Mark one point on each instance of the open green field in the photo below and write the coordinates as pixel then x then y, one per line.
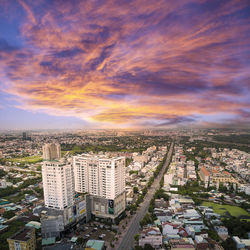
pixel 222 209
pixel 27 160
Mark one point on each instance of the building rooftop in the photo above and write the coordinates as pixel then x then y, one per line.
pixel 205 172
pixel 35 224
pixel 95 244
pixel 48 241
pixel 23 235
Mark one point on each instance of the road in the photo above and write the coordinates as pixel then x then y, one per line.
pixel 127 237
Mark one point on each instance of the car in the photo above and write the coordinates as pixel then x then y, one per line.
pixel 101 236
pixel 85 237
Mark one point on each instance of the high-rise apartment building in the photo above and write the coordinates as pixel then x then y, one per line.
pixel 58 184
pixel 24 135
pixel 99 176
pixel 104 179
pixel 51 151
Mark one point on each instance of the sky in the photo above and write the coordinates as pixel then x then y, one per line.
pixel 124 64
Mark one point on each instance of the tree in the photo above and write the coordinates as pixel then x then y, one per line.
pixel 136 190
pixel 146 220
pixel 80 241
pixel 138 248
pixel 8 214
pixel 136 237
pixel 237 227
pixel 148 247
pixel 2 173
pixel 229 244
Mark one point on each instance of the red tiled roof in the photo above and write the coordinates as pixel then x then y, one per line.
pixel 225 172
pixel 215 171
pixel 205 172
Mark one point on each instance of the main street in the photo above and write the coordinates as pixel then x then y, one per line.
pixel 127 236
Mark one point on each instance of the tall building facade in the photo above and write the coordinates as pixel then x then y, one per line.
pixel 24 135
pixel 51 151
pixel 58 184
pixel 104 179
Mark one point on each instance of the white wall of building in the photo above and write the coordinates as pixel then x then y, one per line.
pixel 98 176
pixel 58 184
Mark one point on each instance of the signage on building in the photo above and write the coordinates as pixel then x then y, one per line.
pixel 111 206
pixel 82 207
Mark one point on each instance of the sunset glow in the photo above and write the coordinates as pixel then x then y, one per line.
pixel 124 63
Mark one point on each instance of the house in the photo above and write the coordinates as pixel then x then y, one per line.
pixel 241 243
pixel 163 216
pixel 151 236
pixel 221 231
pixel 180 244
pixel 190 231
pixel 191 213
pixel 196 224
pixel 169 228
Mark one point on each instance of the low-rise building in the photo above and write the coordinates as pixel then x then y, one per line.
pixel 23 239
pixel 95 245
pixel 151 236
pixel 241 243
pixel 221 231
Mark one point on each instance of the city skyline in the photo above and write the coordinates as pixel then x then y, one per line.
pixel 125 64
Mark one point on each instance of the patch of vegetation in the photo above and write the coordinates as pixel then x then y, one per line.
pixel 13 228
pixel 11 190
pixel 8 214
pixel 128 161
pixel 243 138
pixel 147 219
pixel 2 173
pixel 218 145
pixel 26 160
pixel 229 244
pixel 237 227
pixel 222 209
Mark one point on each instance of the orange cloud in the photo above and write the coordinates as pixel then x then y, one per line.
pixel 131 62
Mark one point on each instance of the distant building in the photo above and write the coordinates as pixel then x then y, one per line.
pixel 58 184
pixel 213 176
pixel 23 239
pixel 24 135
pixel 205 175
pixel 104 179
pixel 3 184
pixel 51 151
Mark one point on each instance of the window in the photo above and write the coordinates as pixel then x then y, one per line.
pixel 17 245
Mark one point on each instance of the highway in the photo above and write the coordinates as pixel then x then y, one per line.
pixel 127 236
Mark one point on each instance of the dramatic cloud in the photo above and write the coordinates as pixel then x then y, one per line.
pixel 133 63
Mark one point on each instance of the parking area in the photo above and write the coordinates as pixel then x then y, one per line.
pixel 93 231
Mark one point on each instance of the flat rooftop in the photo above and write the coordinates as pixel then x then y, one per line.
pixel 95 244
pixel 23 235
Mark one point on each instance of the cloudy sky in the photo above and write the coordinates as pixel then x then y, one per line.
pixel 119 64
